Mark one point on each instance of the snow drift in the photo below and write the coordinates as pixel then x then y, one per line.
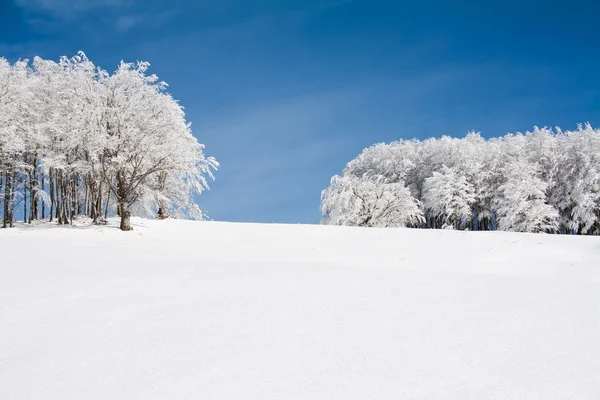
pixel 202 310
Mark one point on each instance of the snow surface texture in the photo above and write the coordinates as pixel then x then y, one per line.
pixel 201 310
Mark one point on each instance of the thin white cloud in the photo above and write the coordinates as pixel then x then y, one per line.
pixel 126 22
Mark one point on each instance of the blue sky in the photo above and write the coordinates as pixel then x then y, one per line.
pixel 284 93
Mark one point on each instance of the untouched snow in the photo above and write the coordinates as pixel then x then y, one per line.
pixel 199 310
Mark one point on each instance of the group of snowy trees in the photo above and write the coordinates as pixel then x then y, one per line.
pixel 76 140
pixel 540 181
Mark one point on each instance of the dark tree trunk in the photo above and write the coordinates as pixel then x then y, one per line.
pixel 107 203
pixel 162 179
pixel 25 199
pixel 123 193
pixel 34 190
pixel 31 197
pixel 161 213
pixel 7 190
pixel 93 206
pixel 58 181
pixel 99 200
pixel 66 200
pixel 64 197
pixel 58 202
pixel 73 198
pixel 125 217
pixel 43 202
pixel 52 193
pixel 13 194
pixel 87 202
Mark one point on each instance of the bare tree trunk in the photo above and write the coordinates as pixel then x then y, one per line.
pixel 13 194
pixel 59 194
pixel 59 198
pixel 52 198
pixel 73 198
pixel 125 217
pixel 77 197
pixel 123 192
pixel 31 196
pixel 162 179
pixel 86 209
pixel 25 198
pixel 34 190
pixel 93 202
pixel 99 200
pixel 107 203
pixel 161 211
pixel 64 197
pixel 7 193
pixel 43 202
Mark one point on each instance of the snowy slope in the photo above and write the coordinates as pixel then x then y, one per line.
pixel 198 310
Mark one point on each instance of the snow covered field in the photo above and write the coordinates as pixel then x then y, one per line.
pixel 198 310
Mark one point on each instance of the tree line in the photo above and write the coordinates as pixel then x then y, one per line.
pixel 541 181
pixel 76 140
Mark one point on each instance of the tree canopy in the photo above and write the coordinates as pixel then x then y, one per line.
pixel 81 141
pixel 541 181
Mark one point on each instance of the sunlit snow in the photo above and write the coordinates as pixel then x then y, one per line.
pixel 209 310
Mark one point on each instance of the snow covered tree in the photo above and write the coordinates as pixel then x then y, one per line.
pixel 12 147
pixel 515 182
pixel 449 197
pixel 146 134
pixel 357 202
pixel 521 203
pixel 578 184
pixel 100 142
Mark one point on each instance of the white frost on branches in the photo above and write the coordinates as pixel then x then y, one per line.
pixel 521 202
pixel 100 140
pixel 449 197
pixel 365 202
pixel 540 181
